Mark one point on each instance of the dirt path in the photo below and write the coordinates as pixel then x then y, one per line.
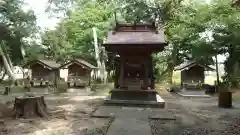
pixel 199 116
pixel 71 115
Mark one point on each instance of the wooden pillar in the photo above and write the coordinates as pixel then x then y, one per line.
pixel 152 73
pixel 56 76
pixel 145 82
pixel 116 75
pixel 121 77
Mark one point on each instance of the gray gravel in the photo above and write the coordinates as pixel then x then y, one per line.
pixel 99 130
pixel 163 127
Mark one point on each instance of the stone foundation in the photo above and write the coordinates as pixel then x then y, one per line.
pixel 143 98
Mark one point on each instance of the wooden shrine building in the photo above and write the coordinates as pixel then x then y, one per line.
pixel 79 72
pixel 192 74
pixel 133 46
pixel 43 71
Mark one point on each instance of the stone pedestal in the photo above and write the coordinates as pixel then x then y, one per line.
pixel 143 98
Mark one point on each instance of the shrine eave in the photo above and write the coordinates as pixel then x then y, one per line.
pixel 142 43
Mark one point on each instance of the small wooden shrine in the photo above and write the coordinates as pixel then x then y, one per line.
pixel 133 45
pixel 192 74
pixel 43 71
pixel 79 72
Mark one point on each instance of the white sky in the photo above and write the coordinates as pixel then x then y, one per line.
pixel 39 8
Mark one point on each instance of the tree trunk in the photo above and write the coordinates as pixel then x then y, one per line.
pixel 30 106
pixel 9 61
pixel 7 57
pixel 105 74
pixel 7 66
pixel 97 52
pixel 170 69
pixel 3 76
pixel 218 81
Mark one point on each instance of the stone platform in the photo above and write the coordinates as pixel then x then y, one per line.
pixel 132 120
pixel 139 98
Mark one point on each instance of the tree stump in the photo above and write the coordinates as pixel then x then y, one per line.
pixel 30 106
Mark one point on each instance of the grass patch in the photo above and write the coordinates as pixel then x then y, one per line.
pixel 236 96
pixel 18 89
pixel 176 78
pixel 102 88
pixel 161 88
pixel 15 89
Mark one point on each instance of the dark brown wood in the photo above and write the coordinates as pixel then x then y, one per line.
pixel 134 43
pixel 79 72
pixel 145 85
pixel 191 76
pixel 42 71
pixel 225 99
pixel 117 73
pixel 121 76
pixel 30 106
pixel 7 90
pixel 151 72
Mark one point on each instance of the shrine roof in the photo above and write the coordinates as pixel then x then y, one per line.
pixel 135 34
pixel 190 64
pixel 80 62
pixel 48 63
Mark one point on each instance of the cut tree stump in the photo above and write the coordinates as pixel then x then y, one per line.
pixel 30 106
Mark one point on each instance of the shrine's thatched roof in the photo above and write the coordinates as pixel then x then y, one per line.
pixel 135 34
pixel 48 63
pixel 190 64
pixel 80 62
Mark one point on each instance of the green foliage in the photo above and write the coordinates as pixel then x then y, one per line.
pixel 16 25
pixel 194 30
pixel 73 36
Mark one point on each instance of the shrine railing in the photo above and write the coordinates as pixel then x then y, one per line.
pixel 79 79
pixel 41 78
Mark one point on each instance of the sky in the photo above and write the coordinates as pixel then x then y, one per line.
pixel 38 6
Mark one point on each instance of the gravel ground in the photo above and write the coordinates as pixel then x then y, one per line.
pixel 230 129
pixel 196 116
pixel 57 126
pixel 167 127
pixel 163 127
pixel 70 115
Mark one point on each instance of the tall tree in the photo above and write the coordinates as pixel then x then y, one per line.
pixel 16 25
